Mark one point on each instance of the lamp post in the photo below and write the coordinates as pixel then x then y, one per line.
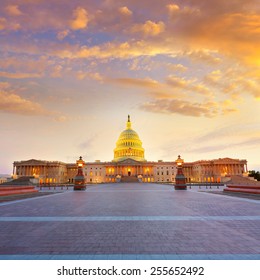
pixel 79 180
pixel 180 180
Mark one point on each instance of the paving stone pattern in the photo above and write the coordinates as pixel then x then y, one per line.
pixel 130 221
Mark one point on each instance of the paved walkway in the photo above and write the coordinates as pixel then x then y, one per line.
pixel 130 221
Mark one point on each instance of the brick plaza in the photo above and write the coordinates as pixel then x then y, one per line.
pixel 130 221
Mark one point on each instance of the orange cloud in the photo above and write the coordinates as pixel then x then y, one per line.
pixel 173 8
pixel 94 76
pixel 4 85
pixel 149 28
pixel 80 20
pixel 56 73
pixel 171 104
pixel 13 10
pixel 123 50
pixel 13 103
pixel 249 86
pixel 213 78
pixel 203 55
pixel 62 34
pixel 234 34
pixel 19 75
pixel 177 67
pixel 147 82
pixel 125 11
pixel 176 106
pixel 2 23
pixel 190 85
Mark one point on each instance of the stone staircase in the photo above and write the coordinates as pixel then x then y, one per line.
pixel 239 184
pixel 240 180
pixel 22 185
pixel 21 181
pixel 129 179
pixel 13 190
pixel 243 189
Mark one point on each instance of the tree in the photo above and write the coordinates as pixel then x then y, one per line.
pixel 255 174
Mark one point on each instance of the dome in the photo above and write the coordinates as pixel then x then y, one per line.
pixel 129 145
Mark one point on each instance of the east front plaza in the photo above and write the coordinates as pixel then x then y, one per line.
pixel 130 221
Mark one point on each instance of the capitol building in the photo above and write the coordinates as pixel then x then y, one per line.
pixel 129 165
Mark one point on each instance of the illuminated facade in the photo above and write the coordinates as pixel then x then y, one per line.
pixel 129 165
pixel 129 145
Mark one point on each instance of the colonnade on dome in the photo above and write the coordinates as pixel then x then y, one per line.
pixel 124 153
pixel 128 145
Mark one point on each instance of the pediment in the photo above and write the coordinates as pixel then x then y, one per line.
pixel 227 160
pixel 33 162
pixel 129 161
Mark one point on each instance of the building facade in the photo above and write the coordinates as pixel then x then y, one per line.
pixel 129 165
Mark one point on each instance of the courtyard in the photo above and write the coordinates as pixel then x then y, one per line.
pixel 130 221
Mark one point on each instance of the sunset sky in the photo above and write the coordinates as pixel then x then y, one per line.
pixel 188 73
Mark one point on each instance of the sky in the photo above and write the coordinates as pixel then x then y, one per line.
pixel 187 71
